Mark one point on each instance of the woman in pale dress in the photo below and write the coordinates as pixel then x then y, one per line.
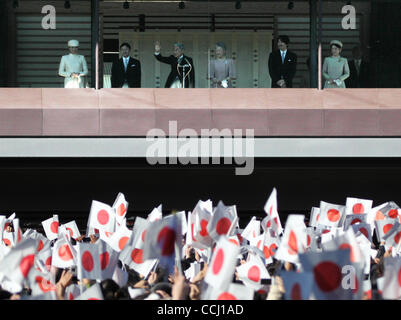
pixel 221 70
pixel 73 67
pixel 335 68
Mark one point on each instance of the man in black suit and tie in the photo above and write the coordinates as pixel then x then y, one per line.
pixel 359 70
pixel 182 66
pixel 126 71
pixel 282 64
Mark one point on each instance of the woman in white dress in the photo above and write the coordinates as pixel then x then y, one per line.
pixel 335 68
pixel 221 70
pixel 73 67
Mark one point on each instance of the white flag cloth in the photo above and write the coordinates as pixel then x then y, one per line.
pixel 162 239
pixel 73 291
pixel 294 239
pixel 357 206
pixel 120 206
pixel 192 271
pixel 392 278
pixel 200 218
pixel 101 216
pixel 50 226
pixel 221 269
pixel 120 276
pixel 222 222
pixel 119 239
pixel 108 260
pixel 252 272
pixel 92 293
pixel 314 216
pixel 156 214
pixel 351 220
pixel 184 224
pixel 383 227
pixel 72 229
pixel 235 291
pixel 88 261
pixel 271 209
pixel 331 215
pixel 18 263
pixel 327 270
pixel 297 285
pixel 64 255
pixel 252 230
pixel 17 231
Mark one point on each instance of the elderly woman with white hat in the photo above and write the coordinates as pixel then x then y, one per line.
pixel 73 67
pixel 335 68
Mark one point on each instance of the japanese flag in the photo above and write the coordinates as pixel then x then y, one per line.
pixel 18 263
pixel 331 215
pixel 298 286
pixel 314 216
pixel 235 291
pixel 88 261
pixel 120 276
pixel 252 272
pixel 388 210
pixel 120 206
pixel 2 226
pixel 43 242
pixel 102 216
pixel 92 293
pixel 64 255
pixel 383 227
pixel 192 271
pixel 200 220
pixel 162 239
pixel 221 268
pixel 263 244
pixel 271 209
pixel 357 206
pixel 108 260
pixel 184 224
pixel 392 278
pixel 72 229
pixel 40 283
pixel 294 239
pixel 222 222
pixel 73 291
pixel 327 268
pixel 43 259
pixel 156 214
pixel 50 226
pixel 252 230
pixel 8 239
pixel 364 229
pixel 351 219
pixel 393 236
pixel 119 239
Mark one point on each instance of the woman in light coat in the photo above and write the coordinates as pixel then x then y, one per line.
pixel 335 68
pixel 73 67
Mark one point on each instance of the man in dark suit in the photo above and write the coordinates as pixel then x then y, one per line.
pixel 181 66
pixel 359 71
pixel 126 71
pixel 282 64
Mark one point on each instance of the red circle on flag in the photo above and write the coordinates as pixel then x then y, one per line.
pixel 380 215
pixel 364 232
pixel 93 299
pixel 65 253
pixel 54 227
pixel 358 208
pixel 48 262
pixel 393 213
pixel 268 224
pixel 296 292
pixel 121 209
pixel 108 234
pixel 327 275
pixel 122 242
pixel 40 246
pixel 356 221
pixel 387 228
pixel 266 252
pixel 7 242
pixel 6 225
pixel 19 235
pixel 308 240
pixel 103 217
pixel 326 231
pixel 71 297
pixel 333 215
pixel 348 246
pixel 70 230
pixel 254 273
pixel 26 264
pixel 273 249
pixel 203 231
pixel 192 232
pixel 271 210
pixel 317 217
pixel 397 237
pixel 87 261
pixel 223 225
pixel 137 256
pixel 226 296
pixel 292 243
pixel 218 261
pixel 166 238
pixel 399 277
pixel 234 242
pixel 44 284
pixel 144 235
pixel 104 260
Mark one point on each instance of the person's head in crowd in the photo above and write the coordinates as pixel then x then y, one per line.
pixel 123 293
pixel 178 49
pixel 162 286
pixel 73 46
pixel 357 52
pixel 125 49
pixel 283 42
pixel 220 50
pixel 336 48
pixel 109 289
pixel 133 276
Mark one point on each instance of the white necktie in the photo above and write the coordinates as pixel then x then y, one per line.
pixel 125 63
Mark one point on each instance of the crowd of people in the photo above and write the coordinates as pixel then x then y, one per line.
pixel 265 256
pixel 282 64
